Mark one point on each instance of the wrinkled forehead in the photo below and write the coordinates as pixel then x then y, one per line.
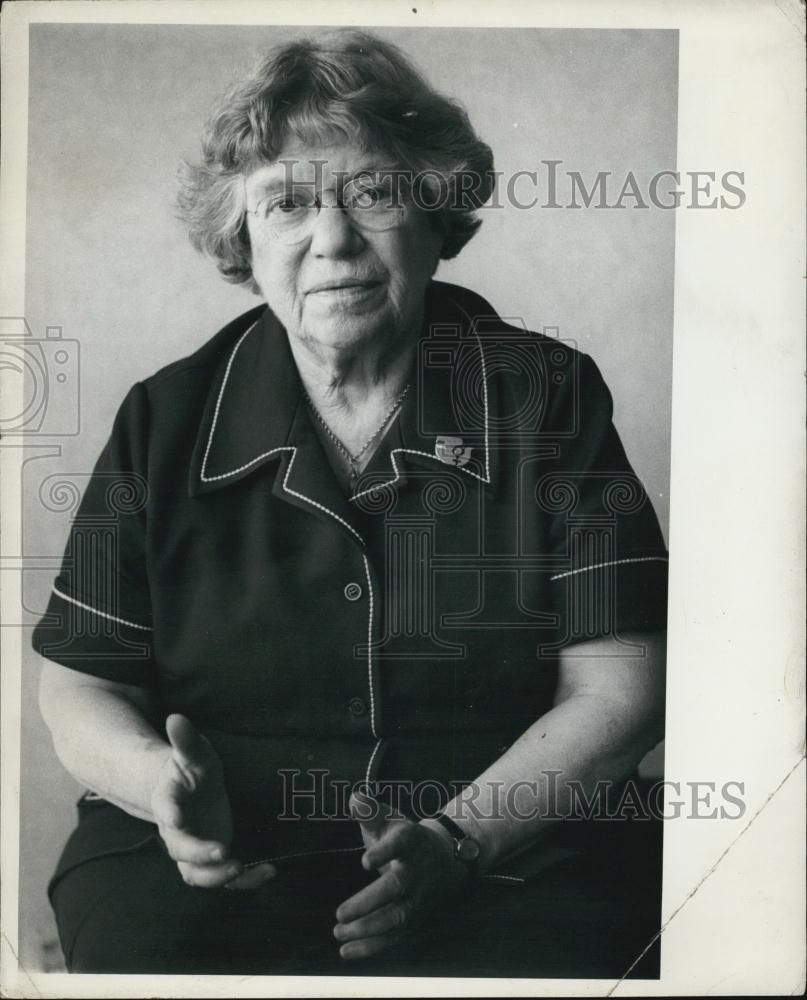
pixel 323 167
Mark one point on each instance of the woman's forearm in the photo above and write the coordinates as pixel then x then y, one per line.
pixel 524 793
pixel 599 731
pixel 103 737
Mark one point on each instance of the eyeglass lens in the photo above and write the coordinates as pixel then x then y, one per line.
pixel 373 201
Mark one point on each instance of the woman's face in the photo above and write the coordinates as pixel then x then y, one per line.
pixel 342 287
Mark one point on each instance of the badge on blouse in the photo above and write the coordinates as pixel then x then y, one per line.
pixel 451 451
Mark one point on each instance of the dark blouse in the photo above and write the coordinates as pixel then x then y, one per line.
pixel 408 633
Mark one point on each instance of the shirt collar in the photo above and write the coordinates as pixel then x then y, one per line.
pixel 249 409
pixel 253 416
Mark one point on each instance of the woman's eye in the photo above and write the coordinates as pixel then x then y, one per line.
pixel 368 196
pixel 283 206
pixel 289 205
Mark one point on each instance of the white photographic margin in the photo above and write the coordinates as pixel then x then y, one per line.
pixel 734 896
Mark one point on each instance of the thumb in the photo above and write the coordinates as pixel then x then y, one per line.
pixel 371 815
pixel 189 746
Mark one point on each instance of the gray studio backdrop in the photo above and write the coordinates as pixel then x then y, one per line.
pixel 112 109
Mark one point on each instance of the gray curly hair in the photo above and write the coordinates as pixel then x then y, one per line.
pixel 350 86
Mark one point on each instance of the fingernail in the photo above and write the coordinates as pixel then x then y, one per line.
pixel 231 876
pixel 217 854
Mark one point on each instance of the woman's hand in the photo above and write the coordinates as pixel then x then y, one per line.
pixel 417 869
pixel 192 811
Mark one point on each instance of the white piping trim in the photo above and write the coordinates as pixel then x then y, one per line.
pixel 348 850
pixel 314 503
pixel 485 399
pixel 370 668
pixel 101 614
pixel 613 562
pixel 370 652
pixel 396 451
pixel 370 762
pixel 412 451
pixel 233 472
pixel 303 854
pixel 225 475
pixel 426 454
pixel 287 488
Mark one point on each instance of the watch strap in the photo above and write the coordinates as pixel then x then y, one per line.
pixel 447 823
pixel 460 837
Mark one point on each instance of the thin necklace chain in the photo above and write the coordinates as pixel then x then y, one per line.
pixel 355 459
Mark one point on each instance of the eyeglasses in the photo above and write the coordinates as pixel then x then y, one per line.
pixel 373 201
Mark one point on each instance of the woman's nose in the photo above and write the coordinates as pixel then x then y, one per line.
pixel 334 234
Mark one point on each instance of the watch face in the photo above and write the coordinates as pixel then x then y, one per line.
pixel 467 849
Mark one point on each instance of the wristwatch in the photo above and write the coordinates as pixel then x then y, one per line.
pixel 466 849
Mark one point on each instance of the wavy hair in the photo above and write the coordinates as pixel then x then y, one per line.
pixel 349 86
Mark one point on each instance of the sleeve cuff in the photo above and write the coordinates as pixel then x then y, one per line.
pixel 85 637
pixel 611 598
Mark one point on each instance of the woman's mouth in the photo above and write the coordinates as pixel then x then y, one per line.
pixel 346 286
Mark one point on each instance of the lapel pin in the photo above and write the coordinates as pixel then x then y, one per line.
pixel 452 451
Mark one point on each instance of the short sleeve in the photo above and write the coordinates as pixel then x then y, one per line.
pixel 98 619
pixel 609 559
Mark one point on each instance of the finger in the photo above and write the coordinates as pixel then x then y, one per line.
pixel 366 808
pixel 165 804
pixel 210 876
pixel 397 841
pixel 387 888
pixel 191 749
pixel 372 816
pixel 184 847
pixel 367 947
pixel 252 878
pixel 389 918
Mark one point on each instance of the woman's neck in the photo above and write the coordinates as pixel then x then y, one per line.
pixel 351 384
pixel 353 394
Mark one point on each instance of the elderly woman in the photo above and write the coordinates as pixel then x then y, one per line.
pixel 363 604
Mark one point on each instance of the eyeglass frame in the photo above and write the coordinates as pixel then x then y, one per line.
pixel 342 184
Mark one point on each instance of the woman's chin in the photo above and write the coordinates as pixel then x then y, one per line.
pixel 343 308
pixel 347 329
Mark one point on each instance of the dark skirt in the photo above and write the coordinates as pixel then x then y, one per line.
pixel 591 908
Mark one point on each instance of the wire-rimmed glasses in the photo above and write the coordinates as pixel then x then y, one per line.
pixel 373 200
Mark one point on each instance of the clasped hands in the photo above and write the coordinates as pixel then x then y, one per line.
pixel 417 871
pixel 415 861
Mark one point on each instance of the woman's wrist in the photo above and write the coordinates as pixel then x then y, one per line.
pixel 470 843
pixel 136 795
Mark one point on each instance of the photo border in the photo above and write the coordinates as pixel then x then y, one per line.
pixel 737 493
